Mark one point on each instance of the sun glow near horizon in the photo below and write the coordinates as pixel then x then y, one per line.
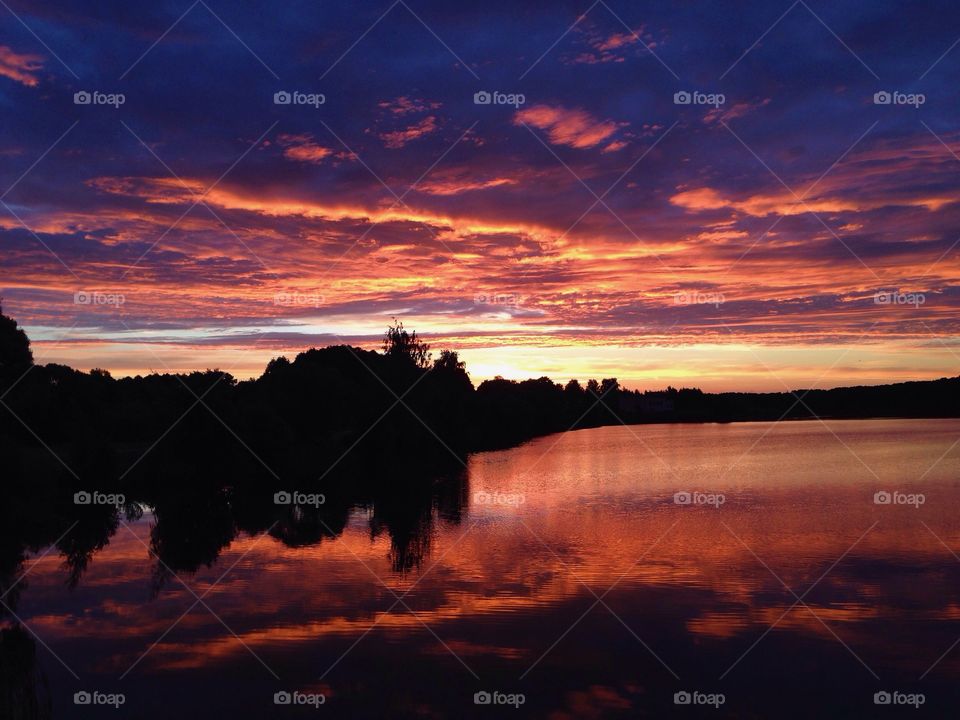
pixel 711 367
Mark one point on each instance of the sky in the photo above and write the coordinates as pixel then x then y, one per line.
pixel 750 196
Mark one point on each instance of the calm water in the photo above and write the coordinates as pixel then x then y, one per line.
pixel 563 570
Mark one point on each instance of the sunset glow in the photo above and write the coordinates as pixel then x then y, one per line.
pixel 602 228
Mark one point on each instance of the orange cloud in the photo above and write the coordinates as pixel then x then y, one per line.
pixel 614 48
pixel 618 40
pixel 454 186
pixel 399 138
pixel 576 128
pixel 158 190
pixel 302 148
pixel 700 199
pixel 786 203
pixel 20 67
pixel 404 105
pixel 614 146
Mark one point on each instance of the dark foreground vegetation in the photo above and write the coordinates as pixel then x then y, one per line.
pixel 334 414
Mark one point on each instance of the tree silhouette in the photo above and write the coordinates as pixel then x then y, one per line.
pixel 449 360
pixel 15 355
pixel 399 344
pixel 24 692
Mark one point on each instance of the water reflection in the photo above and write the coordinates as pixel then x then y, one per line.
pixel 496 565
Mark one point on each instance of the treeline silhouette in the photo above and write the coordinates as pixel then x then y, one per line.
pixel 340 413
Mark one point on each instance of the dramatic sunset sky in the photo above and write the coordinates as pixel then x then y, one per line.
pixel 598 229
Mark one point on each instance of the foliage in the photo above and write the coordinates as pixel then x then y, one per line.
pixel 398 343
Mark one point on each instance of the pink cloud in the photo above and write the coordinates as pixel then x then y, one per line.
pixel 456 186
pixel 576 128
pixel 404 105
pixel 399 138
pixel 303 148
pixel 611 48
pixel 618 40
pixel 781 202
pixel 20 67
pixel 700 199
pixel 614 146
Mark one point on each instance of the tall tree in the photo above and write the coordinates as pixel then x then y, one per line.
pixel 15 355
pixel 398 343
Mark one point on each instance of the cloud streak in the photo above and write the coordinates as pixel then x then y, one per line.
pixel 23 68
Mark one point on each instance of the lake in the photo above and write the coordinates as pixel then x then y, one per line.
pixel 799 569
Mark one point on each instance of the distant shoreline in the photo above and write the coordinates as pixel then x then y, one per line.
pixel 720 422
